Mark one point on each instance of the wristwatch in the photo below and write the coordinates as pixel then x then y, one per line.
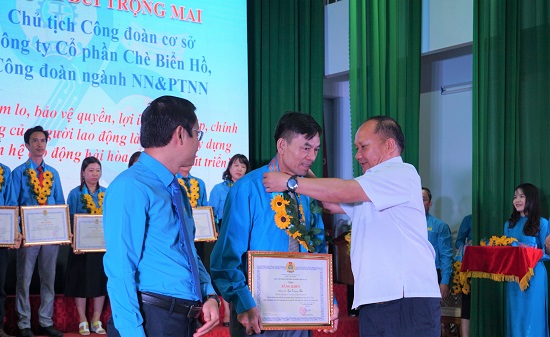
pixel 214 296
pixel 292 183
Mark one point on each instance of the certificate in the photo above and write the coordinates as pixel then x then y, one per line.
pixel 9 221
pixel 88 233
pixel 293 291
pixel 205 228
pixel 45 225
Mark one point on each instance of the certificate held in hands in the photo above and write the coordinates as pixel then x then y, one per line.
pixel 293 291
pixel 9 223
pixel 45 225
pixel 88 234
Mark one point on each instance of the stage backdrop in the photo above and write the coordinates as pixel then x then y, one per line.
pixel 86 69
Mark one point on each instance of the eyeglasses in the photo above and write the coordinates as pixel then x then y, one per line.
pixel 199 134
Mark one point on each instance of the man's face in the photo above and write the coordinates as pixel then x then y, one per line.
pixel 372 148
pixel 37 144
pixel 426 200
pixel 297 156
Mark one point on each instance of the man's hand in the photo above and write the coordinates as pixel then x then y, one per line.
pixel 444 290
pixel 334 319
pixel 18 239
pixel 251 320
pixel 211 317
pixel 275 181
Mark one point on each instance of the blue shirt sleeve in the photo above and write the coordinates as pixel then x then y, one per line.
pixel 7 194
pixel 203 199
pixel 464 232
pixel 446 254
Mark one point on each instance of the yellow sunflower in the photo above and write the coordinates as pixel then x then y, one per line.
pixel 282 220
pixel 48 175
pixel 41 199
pixel 35 181
pixel 47 183
pixel 195 189
pixel 31 173
pixel 45 191
pixel 278 203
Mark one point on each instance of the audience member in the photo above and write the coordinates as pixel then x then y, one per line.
pixel 527 311
pixel 133 158
pixel 463 239
pixel 7 198
pixel 85 275
pixel 238 166
pixel 36 183
pixel 439 235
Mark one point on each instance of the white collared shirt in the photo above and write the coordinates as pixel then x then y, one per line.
pixel 391 256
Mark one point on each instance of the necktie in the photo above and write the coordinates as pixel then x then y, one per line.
pixel 185 241
pixel 40 174
pixel 293 244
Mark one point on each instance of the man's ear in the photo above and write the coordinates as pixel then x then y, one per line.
pixel 281 145
pixel 390 144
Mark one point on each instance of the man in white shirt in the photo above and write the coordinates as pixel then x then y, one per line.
pixel 392 260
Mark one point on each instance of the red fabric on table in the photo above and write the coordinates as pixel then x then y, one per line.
pixel 505 263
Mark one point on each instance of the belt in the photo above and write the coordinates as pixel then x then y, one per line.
pixel 186 307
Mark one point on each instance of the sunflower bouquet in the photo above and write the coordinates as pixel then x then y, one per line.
pixel 1 177
pixel 192 191
pixel 461 283
pixel 40 191
pixel 90 205
pixel 498 241
pixel 290 217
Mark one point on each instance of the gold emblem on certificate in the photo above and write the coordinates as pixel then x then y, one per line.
pixel 293 291
pixel 45 225
pixel 9 222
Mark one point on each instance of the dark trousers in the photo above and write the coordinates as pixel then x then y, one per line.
pixel 405 317
pixel 160 322
pixel 3 270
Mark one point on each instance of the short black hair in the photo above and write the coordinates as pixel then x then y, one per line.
pixel 29 132
pixel 133 158
pixel 161 118
pixel 296 123
pixel 428 191
pixel 390 128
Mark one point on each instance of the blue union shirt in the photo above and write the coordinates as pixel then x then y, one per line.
pixel 142 239
pixel 22 189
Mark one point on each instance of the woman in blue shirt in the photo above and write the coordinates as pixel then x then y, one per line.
pixel 527 311
pixel 238 166
pixel 85 275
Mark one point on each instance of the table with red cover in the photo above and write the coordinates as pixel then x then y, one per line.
pixel 501 263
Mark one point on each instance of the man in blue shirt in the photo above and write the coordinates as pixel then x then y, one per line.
pixel 439 236
pixel 45 190
pixel 249 223
pixel 7 198
pixel 156 281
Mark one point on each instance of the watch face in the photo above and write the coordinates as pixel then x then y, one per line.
pixel 292 184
